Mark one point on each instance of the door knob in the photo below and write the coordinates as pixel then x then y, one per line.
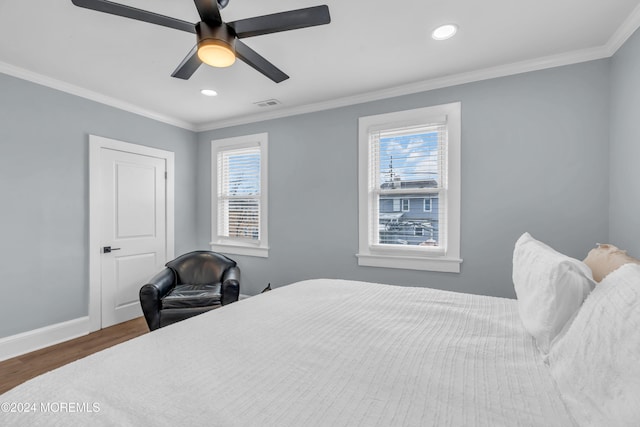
pixel 108 249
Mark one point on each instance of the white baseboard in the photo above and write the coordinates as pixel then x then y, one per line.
pixel 25 342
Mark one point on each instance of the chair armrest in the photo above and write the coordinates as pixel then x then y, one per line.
pixel 152 293
pixel 230 285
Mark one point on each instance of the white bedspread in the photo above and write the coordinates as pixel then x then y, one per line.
pixel 315 353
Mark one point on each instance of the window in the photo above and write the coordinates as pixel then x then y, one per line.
pixel 239 195
pixel 412 156
pixel 428 204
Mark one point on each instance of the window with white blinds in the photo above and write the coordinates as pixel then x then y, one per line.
pixel 239 195
pixel 409 189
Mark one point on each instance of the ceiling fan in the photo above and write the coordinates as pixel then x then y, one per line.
pixel 218 42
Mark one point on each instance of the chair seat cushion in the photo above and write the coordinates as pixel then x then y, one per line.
pixel 187 296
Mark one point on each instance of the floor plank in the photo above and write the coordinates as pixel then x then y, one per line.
pixel 19 369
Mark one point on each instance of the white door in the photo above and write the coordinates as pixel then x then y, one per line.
pixel 132 225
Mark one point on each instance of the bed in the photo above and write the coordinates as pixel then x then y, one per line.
pixel 318 353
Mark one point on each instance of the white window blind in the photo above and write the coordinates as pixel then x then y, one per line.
pixel 408 164
pixel 239 193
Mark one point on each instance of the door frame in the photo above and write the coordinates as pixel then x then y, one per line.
pixel 96 144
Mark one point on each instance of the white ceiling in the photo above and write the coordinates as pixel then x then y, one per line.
pixel 371 49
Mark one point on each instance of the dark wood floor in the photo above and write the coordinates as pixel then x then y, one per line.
pixel 22 368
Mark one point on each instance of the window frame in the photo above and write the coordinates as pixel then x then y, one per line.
pixel 443 259
pixel 408 209
pixel 231 245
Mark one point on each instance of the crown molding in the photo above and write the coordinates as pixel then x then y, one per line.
pixel 422 86
pixel 626 30
pixel 50 82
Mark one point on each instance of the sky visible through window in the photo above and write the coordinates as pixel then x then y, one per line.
pixel 409 157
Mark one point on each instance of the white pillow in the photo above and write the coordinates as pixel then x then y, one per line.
pixel 550 288
pixel 596 363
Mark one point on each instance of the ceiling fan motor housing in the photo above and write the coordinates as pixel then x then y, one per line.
pixel 221 33
pixel 220 37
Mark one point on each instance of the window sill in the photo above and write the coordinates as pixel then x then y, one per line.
pixel 442 264
pixel 227 248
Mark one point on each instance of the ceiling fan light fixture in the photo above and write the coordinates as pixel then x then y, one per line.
pixel 216 53
pixel 216 45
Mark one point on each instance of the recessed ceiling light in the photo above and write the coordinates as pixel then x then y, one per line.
pixel 208 92
pixel 444 32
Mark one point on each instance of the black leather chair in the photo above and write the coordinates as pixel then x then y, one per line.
pixel 191 284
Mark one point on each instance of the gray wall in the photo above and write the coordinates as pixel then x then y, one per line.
pixel 44 194
pixel 625 147
pixel 534 158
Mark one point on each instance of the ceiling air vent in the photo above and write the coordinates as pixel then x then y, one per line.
pixel 268 103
